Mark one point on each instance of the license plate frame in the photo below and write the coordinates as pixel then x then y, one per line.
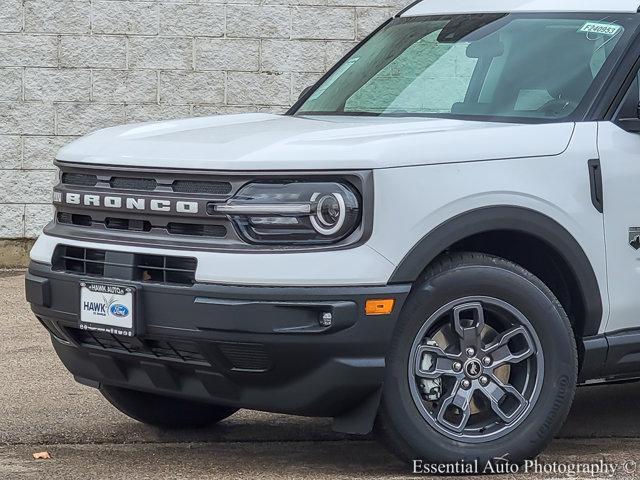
pixel 108 308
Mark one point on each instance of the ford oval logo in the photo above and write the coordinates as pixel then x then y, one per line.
pixel 119 310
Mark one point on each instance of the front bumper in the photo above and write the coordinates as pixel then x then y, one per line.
pixel 248 347
pixel 354 266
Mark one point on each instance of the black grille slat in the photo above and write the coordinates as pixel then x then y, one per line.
pixel 127 224
pixel 145 268
pixel 212 187
pixel 130 183
pixel 164 269
pixel 243 356
pixel 197 186
pixel 218 231
pixel 74 219
pixel 80 179
pixel 143 226
pixel 176 270
pixel 176 351
pixel 122 344
pixel 96 339
pixel 165 350
pixel 97 262
pixel 180 263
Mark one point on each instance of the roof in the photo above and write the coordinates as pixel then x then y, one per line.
pixel 439 7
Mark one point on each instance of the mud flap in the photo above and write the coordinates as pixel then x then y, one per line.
pixel 360 419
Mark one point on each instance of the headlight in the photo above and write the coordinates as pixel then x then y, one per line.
pixel 293 213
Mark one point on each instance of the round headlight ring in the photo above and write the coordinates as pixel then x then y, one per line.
pixel 321 224
pixel 327 206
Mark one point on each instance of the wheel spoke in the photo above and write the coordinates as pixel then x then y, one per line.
pixel 442 362
pixel 501 352
pixel 459 399
pixel 506 401
pixel 476 368
pixel 468 320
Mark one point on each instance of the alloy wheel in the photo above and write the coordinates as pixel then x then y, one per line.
pixel 475 369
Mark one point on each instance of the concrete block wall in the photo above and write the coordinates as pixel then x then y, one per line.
pixel 68 67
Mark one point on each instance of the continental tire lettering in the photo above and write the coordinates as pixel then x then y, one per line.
pixel 558 404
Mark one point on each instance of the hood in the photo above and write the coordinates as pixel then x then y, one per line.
pixel 276 142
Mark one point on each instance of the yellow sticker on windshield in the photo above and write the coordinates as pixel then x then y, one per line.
pixel 601 28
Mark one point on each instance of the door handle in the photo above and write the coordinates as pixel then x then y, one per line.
pixel 595 183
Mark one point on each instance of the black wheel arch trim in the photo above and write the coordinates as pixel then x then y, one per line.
pixel 518 219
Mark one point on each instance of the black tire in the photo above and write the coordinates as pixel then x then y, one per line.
pixel 465 275
pixel 165 412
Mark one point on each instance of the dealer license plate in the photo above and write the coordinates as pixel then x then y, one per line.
pixel 107 308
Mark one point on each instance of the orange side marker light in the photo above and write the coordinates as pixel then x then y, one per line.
pixel 379 306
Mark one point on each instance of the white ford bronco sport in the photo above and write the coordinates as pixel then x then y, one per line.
pixel 439 240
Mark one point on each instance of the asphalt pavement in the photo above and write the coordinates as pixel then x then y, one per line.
pixel 43 409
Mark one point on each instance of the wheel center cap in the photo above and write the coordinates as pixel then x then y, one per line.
pixel 473 368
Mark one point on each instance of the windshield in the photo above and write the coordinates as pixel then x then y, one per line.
pixel 502 66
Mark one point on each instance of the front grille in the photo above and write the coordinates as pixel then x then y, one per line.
pixel 187 352
pixel 247 357
pixel 163 269
pixel 74 219
pixel 80 179
pixel 125 266
pixel 79 261
pixel 147 184
pixel 146 207
pixel 127 224
pixel 136 225
pixel 217 231
pixel 127 183
pixel 211 188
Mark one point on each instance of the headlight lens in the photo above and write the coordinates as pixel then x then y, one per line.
pixel 294 213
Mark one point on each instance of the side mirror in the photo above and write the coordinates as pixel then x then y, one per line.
pixel 628 115
pixel 304 92
pixel 631 125
pixel 631 121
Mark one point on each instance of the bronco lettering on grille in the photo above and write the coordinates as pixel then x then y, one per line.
pixel 130 203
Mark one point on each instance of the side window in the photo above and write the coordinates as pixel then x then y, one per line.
pixel 427 76
pixel 628 115
pixel 631 103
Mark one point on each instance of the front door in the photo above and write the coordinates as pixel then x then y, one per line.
pixel 620 165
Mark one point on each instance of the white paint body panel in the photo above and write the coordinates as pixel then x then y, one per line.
pixel 620 163
pixel 358 266
pixel 429 196
pixel 274 142
pixel 556 186
pixel 442 7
